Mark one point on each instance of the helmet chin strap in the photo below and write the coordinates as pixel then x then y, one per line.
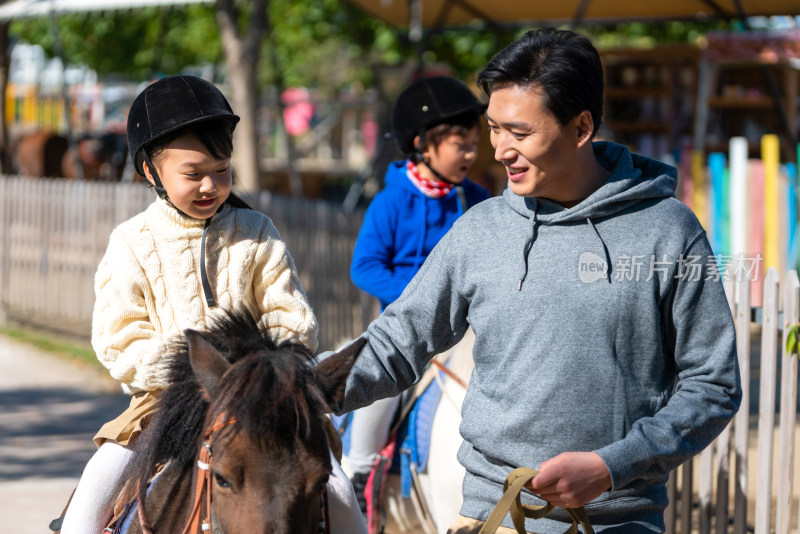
pixel 162 194
pixel 158 187
pixel 462 198
pixel 420 158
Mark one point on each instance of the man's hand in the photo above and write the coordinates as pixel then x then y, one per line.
pixel 571 479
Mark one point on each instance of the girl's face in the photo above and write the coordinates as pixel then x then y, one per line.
pixel 196 182
pixel 454 155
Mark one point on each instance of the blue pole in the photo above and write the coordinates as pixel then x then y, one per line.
pixel 716 165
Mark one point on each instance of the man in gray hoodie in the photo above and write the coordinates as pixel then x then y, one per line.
pixel 605 350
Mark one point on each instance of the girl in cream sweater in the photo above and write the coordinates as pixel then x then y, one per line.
pixel 196 250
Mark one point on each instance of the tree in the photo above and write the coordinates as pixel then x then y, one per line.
pixel 329 45
pixel 242 51
pixel 136 44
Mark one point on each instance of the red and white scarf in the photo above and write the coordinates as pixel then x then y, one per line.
pixel 430 188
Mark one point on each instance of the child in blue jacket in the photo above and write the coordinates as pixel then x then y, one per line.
pixel 435 122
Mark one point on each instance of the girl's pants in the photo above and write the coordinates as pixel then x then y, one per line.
pixel 92 504
pixel 370 431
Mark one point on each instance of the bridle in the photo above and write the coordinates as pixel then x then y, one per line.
pixel 200 522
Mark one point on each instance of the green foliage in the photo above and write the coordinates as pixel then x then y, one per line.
pixel 650 34
pixel 137 44
pixel 326 44
pixel 467 50
pixel 791 340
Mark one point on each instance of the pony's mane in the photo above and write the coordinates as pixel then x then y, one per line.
pixel 269 391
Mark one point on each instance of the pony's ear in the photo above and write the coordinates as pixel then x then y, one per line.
pixel 207 362
pixel 333 371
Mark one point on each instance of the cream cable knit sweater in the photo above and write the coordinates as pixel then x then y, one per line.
pixel 148 286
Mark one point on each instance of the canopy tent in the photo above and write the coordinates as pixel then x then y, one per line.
pixel 439 13
pixel 16 9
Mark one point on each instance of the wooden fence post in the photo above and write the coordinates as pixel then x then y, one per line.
pixel 766 402
pixel 741 428
pixel 723 442
pixel 788 407
pixel 669 513
pixel 687 474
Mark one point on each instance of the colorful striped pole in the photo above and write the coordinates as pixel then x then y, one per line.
pixel 770 155
pixel 755 252
pixel 685 185
pixel 699 192
pixel 738 208
pixel 726 211
pixel 716 167
pixel 791 216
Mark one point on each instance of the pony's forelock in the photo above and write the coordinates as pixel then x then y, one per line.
pixel 269 386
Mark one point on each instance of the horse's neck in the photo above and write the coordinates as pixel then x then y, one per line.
pixel 169 503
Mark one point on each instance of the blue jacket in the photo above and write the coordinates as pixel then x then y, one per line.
pixel 399 231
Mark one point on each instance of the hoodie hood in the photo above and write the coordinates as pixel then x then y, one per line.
pixel 633 179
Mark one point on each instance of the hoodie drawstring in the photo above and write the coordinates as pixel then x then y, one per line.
pixel 605 249
pixel 527 250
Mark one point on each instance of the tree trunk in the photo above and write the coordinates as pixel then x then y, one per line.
pixel 242 54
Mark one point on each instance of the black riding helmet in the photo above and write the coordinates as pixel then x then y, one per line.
pixel 167 105
pixel 164 107
pixel 426 103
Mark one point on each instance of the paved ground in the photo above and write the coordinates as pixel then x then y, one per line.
pixel 49 411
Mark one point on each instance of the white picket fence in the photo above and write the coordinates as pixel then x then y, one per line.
pixel 53 234
pixel 745 481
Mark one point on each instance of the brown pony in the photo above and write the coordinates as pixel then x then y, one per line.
pixel 46 154
pixel 252 416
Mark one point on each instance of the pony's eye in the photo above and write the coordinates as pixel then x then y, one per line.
pixel 221 481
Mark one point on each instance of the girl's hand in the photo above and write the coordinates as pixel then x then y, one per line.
pixel 571 479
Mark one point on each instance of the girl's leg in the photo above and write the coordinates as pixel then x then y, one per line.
pixel 93 502
pixel 370 431
pixel 369 434
pixel 343 508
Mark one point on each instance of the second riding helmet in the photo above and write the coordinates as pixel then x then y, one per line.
pixel 426 103
pixel 169 104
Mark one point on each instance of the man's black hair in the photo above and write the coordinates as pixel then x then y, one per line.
pixel 563 64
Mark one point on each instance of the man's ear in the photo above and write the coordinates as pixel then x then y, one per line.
pixel 584 127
